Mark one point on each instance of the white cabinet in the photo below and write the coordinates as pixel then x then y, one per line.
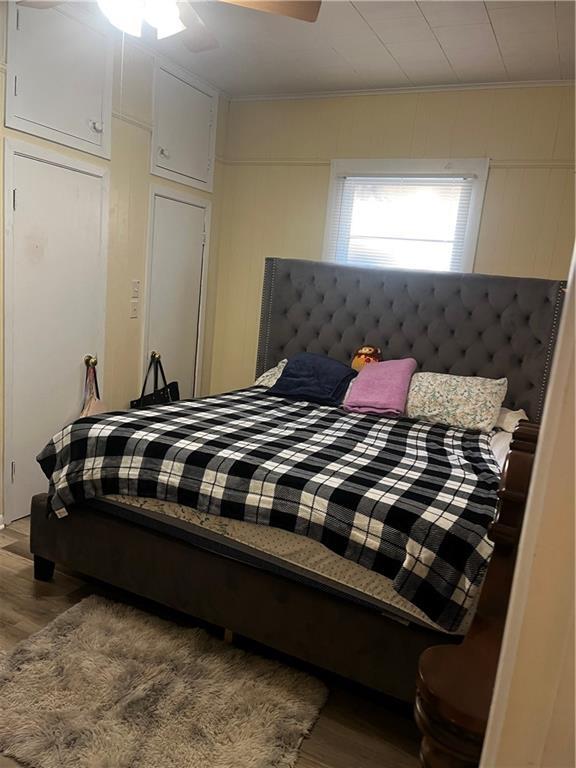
pixel 184 136
pixel 59 79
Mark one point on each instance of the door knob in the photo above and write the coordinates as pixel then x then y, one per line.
pixel 97 126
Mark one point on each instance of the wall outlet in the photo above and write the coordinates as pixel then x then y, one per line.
pixel 135 289
pixel 133 309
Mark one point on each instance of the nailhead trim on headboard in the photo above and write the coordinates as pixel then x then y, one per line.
pixel 465 324
pixel 265 316
pixel 550 350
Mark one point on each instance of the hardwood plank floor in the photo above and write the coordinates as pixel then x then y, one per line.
pixel 355 729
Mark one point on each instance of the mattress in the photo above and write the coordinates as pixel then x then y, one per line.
pixel 307 554
pixel 295 550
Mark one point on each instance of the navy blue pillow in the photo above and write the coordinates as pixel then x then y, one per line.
pixel 315 378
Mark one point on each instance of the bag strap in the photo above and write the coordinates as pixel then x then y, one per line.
pixel 160 368
pixel 156 364
pixel 145 384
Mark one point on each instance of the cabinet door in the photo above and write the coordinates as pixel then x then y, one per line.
pixel 184 128
pixel 59 78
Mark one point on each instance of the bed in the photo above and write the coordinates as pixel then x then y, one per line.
pixel 297 594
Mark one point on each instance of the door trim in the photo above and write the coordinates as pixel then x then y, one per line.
pixel 198 201
pixel 12 150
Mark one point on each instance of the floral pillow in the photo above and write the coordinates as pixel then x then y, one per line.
pixel 271 376
pixel 468 402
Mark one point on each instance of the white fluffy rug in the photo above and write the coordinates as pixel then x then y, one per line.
pixel 107 686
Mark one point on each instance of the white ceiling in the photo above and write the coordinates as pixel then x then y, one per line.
pixel 371 44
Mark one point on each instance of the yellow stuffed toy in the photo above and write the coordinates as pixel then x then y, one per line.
pixel 365 355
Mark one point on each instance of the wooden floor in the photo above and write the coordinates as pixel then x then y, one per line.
pixel 355 729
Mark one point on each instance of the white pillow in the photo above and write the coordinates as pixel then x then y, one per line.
pixel 508 420
pixel 500 445
pixel 468 402
pixel 271 376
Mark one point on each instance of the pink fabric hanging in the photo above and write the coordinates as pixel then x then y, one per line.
pixel 92 405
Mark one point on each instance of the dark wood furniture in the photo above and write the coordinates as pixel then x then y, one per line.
pixel 455 683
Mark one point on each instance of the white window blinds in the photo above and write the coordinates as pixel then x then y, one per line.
pixel 401 221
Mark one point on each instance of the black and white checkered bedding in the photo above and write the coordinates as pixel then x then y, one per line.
pixel 410 500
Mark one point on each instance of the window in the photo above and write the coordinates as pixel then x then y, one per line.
pixel 406 214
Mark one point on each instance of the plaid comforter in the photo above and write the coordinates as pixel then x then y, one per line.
pixel 410 500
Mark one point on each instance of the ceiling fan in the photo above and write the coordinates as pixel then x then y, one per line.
pixel 172 16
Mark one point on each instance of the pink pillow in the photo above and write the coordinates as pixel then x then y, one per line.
pixel 381 388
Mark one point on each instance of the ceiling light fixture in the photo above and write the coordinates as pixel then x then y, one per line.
pixel 129 15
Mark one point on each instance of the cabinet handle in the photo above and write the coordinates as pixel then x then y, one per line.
pixel 97 126
pixel 163 152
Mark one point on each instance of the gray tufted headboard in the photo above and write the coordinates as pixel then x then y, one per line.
pixel 466 324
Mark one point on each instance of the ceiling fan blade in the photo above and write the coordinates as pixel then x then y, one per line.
pixel 305 10
pixel 197 37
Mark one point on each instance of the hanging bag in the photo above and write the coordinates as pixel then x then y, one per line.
pixel 167 393
pixel 92 404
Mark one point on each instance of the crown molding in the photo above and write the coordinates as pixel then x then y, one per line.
pixel 405 89
pixel 321 162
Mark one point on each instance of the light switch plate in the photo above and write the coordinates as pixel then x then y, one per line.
pixel 134 309
pixel 135 289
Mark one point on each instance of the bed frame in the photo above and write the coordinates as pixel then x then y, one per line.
pixel 459 323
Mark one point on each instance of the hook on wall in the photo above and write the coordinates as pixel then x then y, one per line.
pixel 91 361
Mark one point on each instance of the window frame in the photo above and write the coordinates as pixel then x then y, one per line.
pixel 477 167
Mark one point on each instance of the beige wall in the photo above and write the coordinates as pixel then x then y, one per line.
pixel 276 176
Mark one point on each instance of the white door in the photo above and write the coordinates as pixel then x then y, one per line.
pixel 174 287
pixel 55 286
pixel 60 78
